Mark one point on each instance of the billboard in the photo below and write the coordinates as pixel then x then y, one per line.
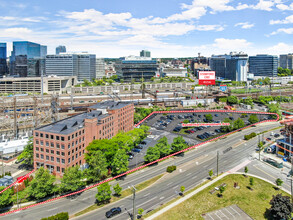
pixel 206 77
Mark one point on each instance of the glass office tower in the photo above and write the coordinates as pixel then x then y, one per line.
pixel 263 65
pixel 60 49
pixel 3 56
pixel 26 58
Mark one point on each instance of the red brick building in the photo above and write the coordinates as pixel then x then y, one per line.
pixel 62 144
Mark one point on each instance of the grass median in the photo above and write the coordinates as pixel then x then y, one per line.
pixel 253 202
pixel 125 193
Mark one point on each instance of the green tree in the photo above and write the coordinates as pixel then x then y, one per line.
pixel 140 211
pixel 178 144
pixel 211 173
pixel 152 154
pixel 114 77
pixel 121 80
pixel 237 124
pixel 222 189
pixel 86 83
pixel 182 189
pixel 120 162
pixel 97 166
pixel 281 207
pixel 253 119
pixel 209 117
pixel 251 181
pixel 274 108
pixel 279 182
pixel 5 197
pixel 42 185
pixel 117 189
pixel 185 121
pixel 227 128
pixel 153 79
pixel 246 170
pixel 28 153
pixel 104 193
pixel 232 100
pixel 72 179
pixel 163 147
pixel 110 81
pixel 267 81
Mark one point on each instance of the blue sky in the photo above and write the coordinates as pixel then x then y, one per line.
pixel 168 28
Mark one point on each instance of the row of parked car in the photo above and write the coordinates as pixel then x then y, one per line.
pixel 138 148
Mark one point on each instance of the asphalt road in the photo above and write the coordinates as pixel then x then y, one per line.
pixel 194 168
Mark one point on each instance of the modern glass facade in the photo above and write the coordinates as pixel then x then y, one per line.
pixel 263 65
pixel 25 58
pixel 136 69
pixel 233 67
pixel 3 56
pixel 81 65
pixel 60 49
pixel 145 53
pixel 286 61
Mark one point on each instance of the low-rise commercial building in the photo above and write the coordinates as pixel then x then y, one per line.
pixel 287 141
pixel 175 72
pixel 51 84
pixel 62 144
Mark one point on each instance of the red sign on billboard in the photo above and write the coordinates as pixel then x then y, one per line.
pixel 206 78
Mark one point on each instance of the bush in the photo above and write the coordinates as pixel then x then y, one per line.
pixel 170 169
pixel 249 136
pixel 59 216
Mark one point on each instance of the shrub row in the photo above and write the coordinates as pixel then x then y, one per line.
pixel 249 136
pixel 59 216
pixel 170 169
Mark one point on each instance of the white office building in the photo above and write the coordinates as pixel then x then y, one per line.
pixel 100 68
pixel 81 65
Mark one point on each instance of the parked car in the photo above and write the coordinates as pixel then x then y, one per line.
pixel 139 146
pixel 216 115
pixel 177 129
pixel 136 150
pixel 113 211
pixel 218 130
pixel 231 118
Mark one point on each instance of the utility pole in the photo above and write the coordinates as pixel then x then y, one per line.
pixel 133 204
pixel 14 115
pixel 217 163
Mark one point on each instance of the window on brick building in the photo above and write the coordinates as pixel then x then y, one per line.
pixel 41 135
pixel 68 152
pixel 79 153
pixel 47 157
pixel 79 132
pixel 83 131
pixel 47 144
pixel 58 152
pixel 37 141
pixel 52 152
pixel 72 136
pixel 76 142
pixel 47 136
pixel 63 161
pixel 76 134
pixel 42 149
pixel 68 137
pixel 52 144
pixel 58 146
pixel 62 153
pixel 47 150
pixel 72 151
pixel 62 146
pixel 58 169
pixel 52 158
pixel 42 156
pixel 68 160
pixel 79 140
pixel 72 144
pixel 58 159
pixel 72 158
pixel 68 146
pixel 37 134
pixel 37 149
pixel 62 138
pixel 52 137
pixel 57 138
pixel 37 155
pixel 63 170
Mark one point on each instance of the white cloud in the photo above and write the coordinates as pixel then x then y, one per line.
pixel 283 30
pixel 244 25
pixel 209 28
pixel 231 44
pixel 280 48
pixel 284 7
pixel 287 20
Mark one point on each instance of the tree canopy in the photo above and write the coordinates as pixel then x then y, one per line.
pixel 5 197
pixel 28 153
pixel 178 144
pixel 232 99
pixel 72 179
pixel 104 193
pixel 42 185
pixel 120 162
pixel 253 119
pixel 152 154
pixel 97 166
pixel 281 207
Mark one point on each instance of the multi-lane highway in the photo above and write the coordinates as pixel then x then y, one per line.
pixel 192 169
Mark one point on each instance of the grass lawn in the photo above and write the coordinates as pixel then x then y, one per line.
pixel 254 203
pixel 124 194
pixel 243 91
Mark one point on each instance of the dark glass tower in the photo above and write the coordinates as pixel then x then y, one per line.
pixel 3 56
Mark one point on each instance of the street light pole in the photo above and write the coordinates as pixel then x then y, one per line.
pixel 133 203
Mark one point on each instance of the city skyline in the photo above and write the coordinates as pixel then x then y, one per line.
pixel 168 28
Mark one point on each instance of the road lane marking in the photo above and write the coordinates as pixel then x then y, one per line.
pixel 51 209
pixel 162 197
pixel 147 194
pixel 188 174
pixel 147 201
pixel 193 177
pixel 169 183
pixel 175 187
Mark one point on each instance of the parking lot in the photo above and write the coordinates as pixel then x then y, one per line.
pixel 164 125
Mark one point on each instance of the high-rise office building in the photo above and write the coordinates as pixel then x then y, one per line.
pixel 263 65
pixel 233 66
pixel 100 68
pixel 136 68
pixel 26 58
pixel 60 49
pixel 145 53
pixel 3 62
pixel 81 65
pixel 286 61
